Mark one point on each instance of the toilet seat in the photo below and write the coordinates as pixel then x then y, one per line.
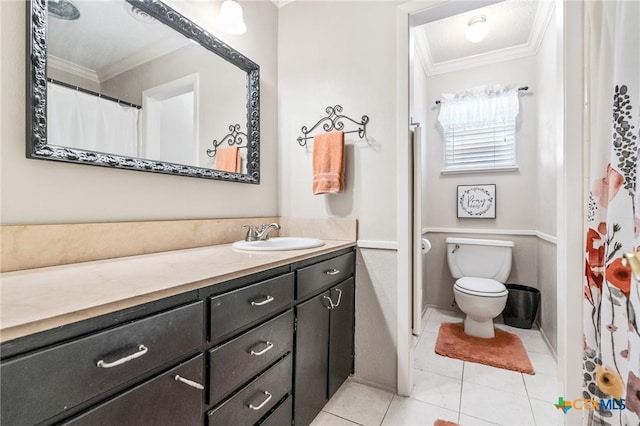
pixel 484 287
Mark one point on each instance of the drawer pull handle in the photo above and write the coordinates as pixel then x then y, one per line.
pixel 263 403
pixel 142 349
pixel 339 298
pixel 330 302
pixel 264 351
pixel 333 271
pixel 264 301
pixel 188 382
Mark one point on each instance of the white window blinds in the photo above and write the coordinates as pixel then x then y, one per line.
pixel 479 129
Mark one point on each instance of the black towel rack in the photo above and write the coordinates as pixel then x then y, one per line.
pixel 235 137
pixel 333 121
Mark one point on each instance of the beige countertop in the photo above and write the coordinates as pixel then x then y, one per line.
pixel 40 299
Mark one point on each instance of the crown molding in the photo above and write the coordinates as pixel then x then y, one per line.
pixel 539 27
pixel 280 3
pixel 71 68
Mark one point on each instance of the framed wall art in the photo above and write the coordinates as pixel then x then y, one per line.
pixel 476 201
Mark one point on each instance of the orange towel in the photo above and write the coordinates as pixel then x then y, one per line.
pixel 328 163
pixel 228 159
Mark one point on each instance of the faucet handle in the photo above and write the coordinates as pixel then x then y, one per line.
pixel 252 233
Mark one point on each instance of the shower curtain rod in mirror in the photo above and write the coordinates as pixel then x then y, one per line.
pixel 89 92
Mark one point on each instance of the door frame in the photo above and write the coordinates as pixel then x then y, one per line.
pixel 570 60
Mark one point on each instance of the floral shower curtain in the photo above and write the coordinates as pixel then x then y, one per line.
pixel 611 363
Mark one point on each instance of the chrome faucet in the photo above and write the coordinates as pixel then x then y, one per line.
pixel 255 234
pixel 263 234
pixel 252 233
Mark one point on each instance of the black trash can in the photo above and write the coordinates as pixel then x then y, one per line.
pixel 522 306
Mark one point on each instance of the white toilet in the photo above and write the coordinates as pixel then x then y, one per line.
pixel 480 267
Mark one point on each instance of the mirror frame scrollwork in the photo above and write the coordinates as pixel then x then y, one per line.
pixel 37 146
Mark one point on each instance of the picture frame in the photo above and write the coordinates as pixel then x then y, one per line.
pixel 476 201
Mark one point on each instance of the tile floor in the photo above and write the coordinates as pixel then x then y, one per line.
pixel 463 392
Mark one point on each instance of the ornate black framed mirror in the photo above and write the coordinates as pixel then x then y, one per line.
pixel 136 85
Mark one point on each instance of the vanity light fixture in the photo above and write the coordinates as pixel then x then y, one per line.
pixel 231 19
pixel 477 29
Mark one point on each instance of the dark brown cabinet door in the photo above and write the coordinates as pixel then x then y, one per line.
pixel 341 322
pixel 312 358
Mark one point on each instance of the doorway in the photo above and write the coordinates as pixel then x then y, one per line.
pixel 169 122
pixel 568 27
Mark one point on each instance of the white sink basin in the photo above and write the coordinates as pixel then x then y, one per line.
pixel 279 243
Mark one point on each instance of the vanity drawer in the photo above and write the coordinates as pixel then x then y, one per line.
pixel 37 386
pixel 323 274
pixel 236 309
pixel 161 401
pixel 281 415
pixel 257 398
pixel 235 362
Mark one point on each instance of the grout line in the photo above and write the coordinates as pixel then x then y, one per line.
pixel 533 416
pixel 387 411
pixel 343 418
pixel 461 388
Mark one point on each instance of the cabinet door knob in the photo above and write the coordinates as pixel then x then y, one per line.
pixel 188 382
pixel 263 403
pixel 142 349
pixel 264 301
pixel 333 271
pixel 264 351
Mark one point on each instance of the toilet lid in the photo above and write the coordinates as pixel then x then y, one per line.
pixel 481 286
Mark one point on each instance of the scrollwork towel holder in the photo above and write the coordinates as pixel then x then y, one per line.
pixel 334 121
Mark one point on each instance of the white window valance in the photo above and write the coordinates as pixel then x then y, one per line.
pixel 479 105
pixel 479 127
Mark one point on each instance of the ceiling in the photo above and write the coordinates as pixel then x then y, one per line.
pixel 516 28
pixel 115 38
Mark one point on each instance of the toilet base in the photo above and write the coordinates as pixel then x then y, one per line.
pixel 483 329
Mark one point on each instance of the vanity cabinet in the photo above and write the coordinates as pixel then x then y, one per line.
pixel 264 349
pixel 48 382
pixel 324 334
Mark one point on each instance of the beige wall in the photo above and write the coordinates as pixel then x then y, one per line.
pixel 516 196
pixel 339 53
pixel 36 191
pixel 335 52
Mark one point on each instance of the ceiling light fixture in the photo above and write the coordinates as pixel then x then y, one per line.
pixel 63 9
pixel 231 19
pixel 478 29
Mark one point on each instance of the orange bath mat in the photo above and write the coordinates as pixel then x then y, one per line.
pixel 441 422
pixel 505 350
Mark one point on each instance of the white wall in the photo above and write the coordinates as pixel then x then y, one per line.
pixel 37 191
pixel 546 70
pixel 330 53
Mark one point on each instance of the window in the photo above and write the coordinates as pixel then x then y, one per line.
pixel 479 130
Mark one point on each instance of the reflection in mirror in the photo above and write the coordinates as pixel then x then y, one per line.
pixel 135 85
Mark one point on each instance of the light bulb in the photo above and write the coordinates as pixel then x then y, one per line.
pixel 231 19
pixel 478 29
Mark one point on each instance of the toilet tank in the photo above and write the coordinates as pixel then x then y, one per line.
pixel 470 257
